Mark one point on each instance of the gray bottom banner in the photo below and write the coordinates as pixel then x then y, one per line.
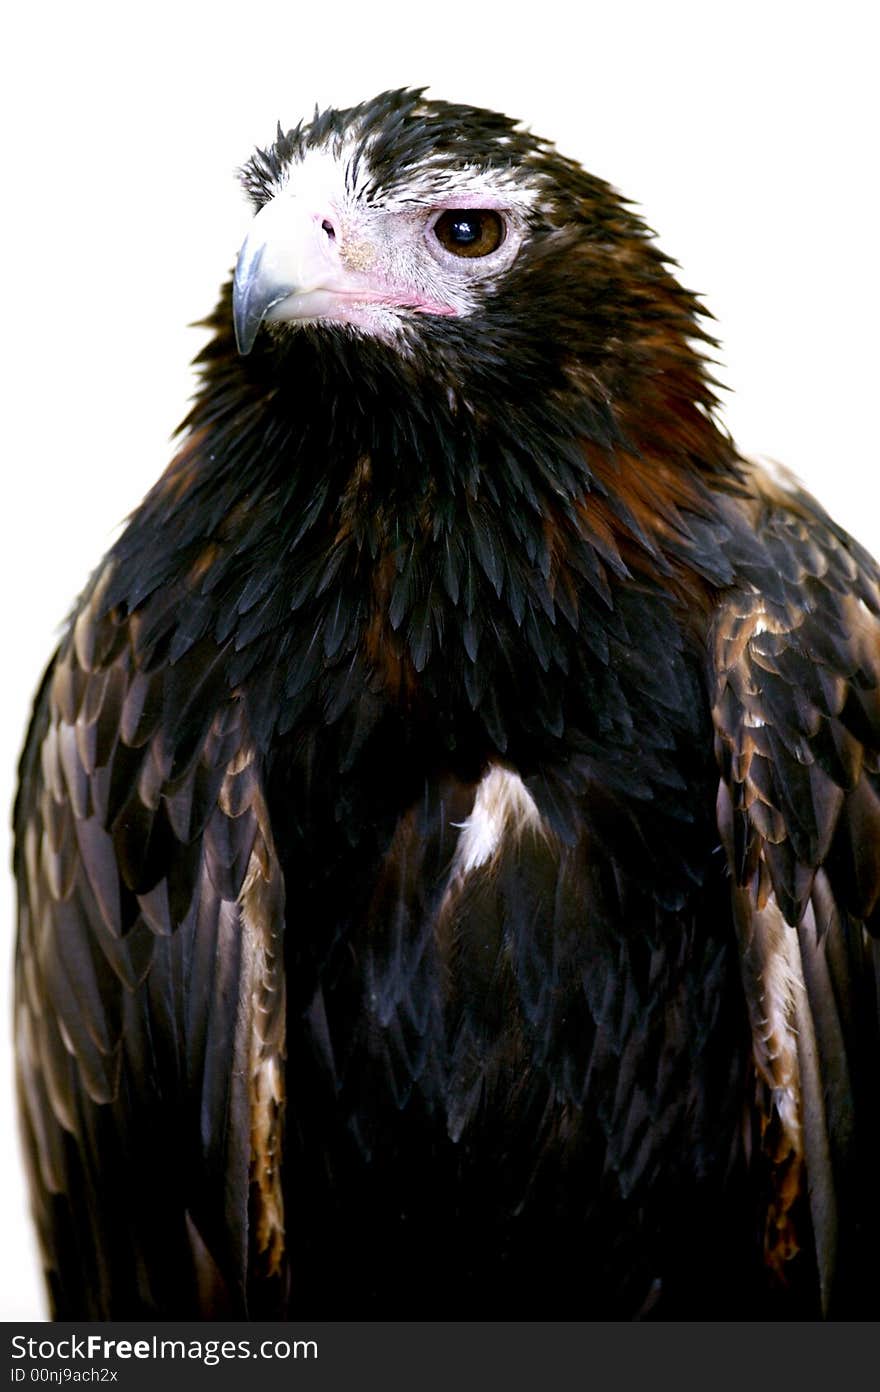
pixel 411 1356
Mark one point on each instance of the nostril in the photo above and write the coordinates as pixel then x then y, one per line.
pixel 327 226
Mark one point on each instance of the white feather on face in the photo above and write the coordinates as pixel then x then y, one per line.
pixel 329 247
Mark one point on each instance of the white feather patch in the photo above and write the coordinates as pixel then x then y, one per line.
pixel 503 808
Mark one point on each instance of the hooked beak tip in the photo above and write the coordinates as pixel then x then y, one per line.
pixel 255 292
pixel 246 313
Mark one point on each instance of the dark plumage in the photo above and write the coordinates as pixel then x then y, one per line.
pixel 448 839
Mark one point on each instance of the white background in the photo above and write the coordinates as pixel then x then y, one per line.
pixel 747 132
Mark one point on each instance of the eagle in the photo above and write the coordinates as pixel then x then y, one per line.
pixel 448 834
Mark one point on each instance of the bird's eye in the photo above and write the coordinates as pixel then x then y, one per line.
pixel 470 231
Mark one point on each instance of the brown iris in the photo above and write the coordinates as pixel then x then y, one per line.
pixel 470 231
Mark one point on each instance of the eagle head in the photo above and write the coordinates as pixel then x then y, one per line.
pixel 465 244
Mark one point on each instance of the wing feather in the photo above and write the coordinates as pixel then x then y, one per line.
pixel 797 718
pixel 150 991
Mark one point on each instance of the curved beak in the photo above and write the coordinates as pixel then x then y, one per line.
pixel 286 253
